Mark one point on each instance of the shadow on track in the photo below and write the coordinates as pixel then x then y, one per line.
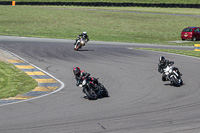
pixel 84 50
pixel 170 84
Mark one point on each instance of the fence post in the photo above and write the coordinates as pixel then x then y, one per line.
pixel 13 3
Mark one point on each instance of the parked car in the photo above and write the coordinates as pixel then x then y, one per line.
pixel 192 33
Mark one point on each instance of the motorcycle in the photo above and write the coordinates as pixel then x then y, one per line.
pixel 81 42
pixel 94 89
pixel 173 76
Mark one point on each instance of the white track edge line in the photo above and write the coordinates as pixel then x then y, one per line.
pixel 60 88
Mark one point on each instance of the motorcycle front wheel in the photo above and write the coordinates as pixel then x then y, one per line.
pixel 105 92
pixel 77 47
pixel 175 81
pixel 91 94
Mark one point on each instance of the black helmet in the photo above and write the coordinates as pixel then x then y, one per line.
pixel 162 60
pixel 76 71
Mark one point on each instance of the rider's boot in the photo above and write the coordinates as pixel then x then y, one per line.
pixel 164 78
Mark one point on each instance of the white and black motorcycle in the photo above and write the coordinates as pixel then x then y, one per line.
pixel 173 75
pixel 81 42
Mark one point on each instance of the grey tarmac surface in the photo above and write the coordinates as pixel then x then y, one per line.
pixel 139 101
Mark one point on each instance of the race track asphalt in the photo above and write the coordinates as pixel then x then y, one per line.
pixel 139 101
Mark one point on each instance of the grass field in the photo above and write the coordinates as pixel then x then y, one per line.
pixel 120 1
pixel 13 81
pixel 102 24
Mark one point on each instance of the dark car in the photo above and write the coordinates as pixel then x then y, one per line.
pixel 191 33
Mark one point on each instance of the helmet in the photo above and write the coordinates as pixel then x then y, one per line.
pixel 162 60
pixel 84 32
pixel 76 71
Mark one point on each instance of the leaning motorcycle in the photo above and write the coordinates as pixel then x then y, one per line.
pixel 173 76
pixel 94 89
pixel 81 42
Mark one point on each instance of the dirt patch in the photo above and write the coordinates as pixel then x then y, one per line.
pixel 5 56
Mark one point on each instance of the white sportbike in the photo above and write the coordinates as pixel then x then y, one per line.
pixel 173 75
pixel 81 42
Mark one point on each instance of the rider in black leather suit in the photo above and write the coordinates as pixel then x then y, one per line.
pixel 84 35
pixel 81 75
pixel 163 63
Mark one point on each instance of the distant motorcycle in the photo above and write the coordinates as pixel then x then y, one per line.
pixel 173 76
pixel 94 89
pixel 81 42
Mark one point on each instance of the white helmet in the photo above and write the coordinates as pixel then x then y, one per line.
pixel 84 32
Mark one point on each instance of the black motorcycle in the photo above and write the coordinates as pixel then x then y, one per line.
pixel 94 89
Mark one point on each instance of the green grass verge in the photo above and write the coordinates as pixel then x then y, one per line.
pixel 188 11
pixel 14 81
pixel 101 25
pixel 182 52
pixel 119 1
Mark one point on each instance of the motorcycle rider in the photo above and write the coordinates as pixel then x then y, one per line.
pixel 81 75
pixel 82 35
pixel 163 63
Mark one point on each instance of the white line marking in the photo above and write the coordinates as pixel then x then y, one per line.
pixel 61 87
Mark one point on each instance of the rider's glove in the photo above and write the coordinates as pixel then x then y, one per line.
pixel 87 75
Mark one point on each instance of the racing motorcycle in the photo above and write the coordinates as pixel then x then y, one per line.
pixel 173 76
pixel 81 42
pixel 93 88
